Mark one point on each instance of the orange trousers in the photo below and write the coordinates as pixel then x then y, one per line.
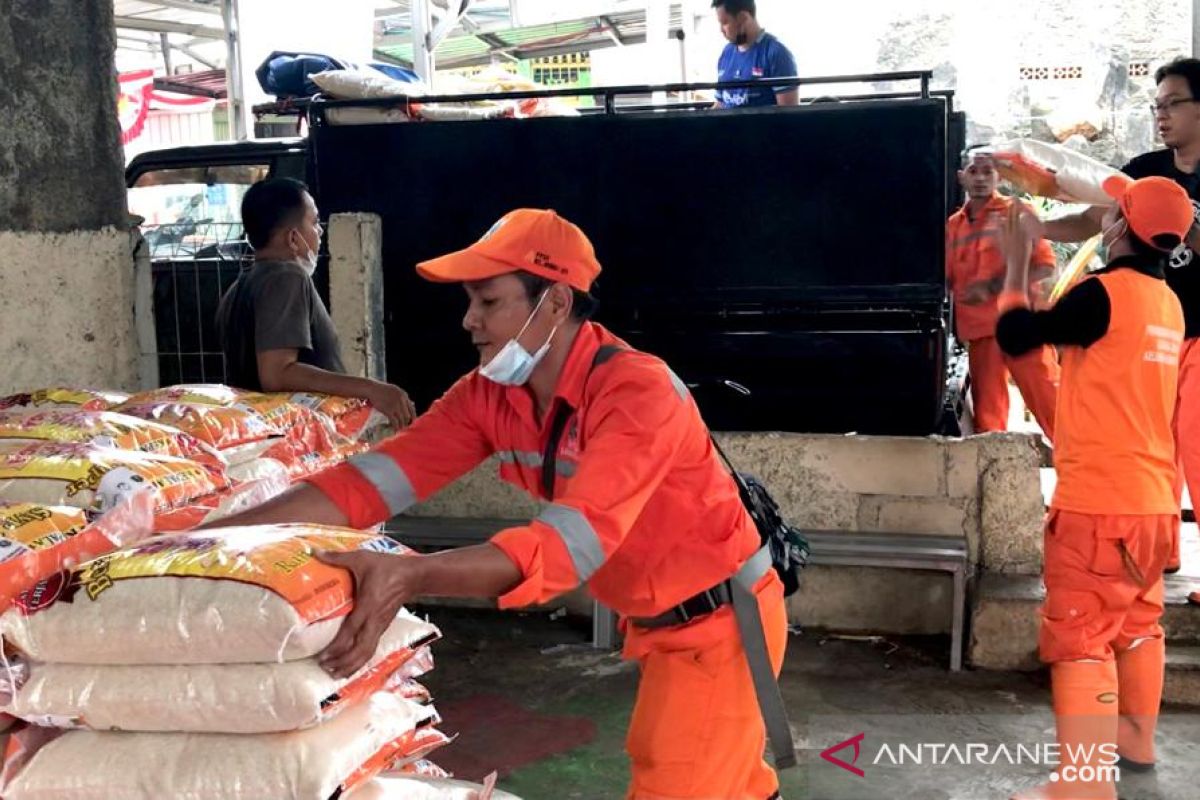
pixel 1035 373
pixel 1101 633
pixel 697 731
pixel 1104 583
pixel 1187 429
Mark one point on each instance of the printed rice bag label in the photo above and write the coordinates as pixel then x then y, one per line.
pixel 29 526
pixel 103 429
pixel 57 397
pixel 99 478
pixel 220 427
pixel 207 394
pixel 278 558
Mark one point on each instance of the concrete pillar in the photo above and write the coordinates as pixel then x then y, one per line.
pixel 356 291
pixel 66 269
pixel 1195 28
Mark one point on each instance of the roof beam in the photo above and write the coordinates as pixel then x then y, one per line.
pixel 184 5
pixel 612 30
pixel 163 26
pixel 194 56
pixel 490 39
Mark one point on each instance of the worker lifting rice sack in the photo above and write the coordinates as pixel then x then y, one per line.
pixel 63 398
pixel 97 478
pixel 214 698
pixel 233 595
pixel 318 763
pixel 104 429
pixel 1054 171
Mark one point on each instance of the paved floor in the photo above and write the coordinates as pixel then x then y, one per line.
pixel 531 700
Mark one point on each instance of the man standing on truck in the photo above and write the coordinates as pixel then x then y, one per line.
pixel 1114 516
pixel 1176 112
pixel 275 330
pixel 975 276
pixel 639 508
pixel 751 53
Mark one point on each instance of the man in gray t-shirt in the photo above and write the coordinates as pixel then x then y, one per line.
pixel 275 330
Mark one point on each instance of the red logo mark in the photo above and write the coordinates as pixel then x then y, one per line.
pixel 856 743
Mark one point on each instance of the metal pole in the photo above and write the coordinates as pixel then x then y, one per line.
pixel 165 41
pixel 658 21
pixel 422 27
pixel 239 128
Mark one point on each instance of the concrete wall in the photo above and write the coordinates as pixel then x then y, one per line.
pixel 356 291
pixel 984 489
pixel 66 268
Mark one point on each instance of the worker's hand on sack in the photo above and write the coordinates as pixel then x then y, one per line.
pixel 393 402
pixel 382 584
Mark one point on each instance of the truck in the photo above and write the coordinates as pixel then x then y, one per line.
pixel 788 263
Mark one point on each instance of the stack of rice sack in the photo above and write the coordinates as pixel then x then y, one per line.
pixel 63 398
pixel 74 454
pixel 257 434
pixel 202 451
pixel 184 667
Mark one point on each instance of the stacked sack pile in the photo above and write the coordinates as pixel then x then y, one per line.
pixel 185 666
pixel 203 451
pixel 182 665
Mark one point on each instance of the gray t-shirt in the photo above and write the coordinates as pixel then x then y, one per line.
pixel 274 305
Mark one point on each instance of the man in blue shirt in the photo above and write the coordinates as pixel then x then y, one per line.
pixel 751 53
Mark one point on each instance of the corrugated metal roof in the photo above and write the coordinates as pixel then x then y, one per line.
pixel 210 83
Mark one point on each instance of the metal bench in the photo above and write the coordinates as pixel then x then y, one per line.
pixel 829 548
pixel 901 551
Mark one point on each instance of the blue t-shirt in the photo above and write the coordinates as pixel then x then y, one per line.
pixel 766 58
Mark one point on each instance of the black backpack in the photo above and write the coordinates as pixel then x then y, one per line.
pixel 789 548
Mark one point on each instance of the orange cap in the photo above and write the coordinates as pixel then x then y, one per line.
pixel 528 239
pixel 1154 207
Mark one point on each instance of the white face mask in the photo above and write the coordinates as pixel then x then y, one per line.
pixel 309 260
pixel 513 365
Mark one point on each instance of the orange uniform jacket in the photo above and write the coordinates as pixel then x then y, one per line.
pixel 643 511
pixel 1113 450
pixel 972 255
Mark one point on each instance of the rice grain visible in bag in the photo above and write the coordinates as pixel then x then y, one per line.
pixel 314 764
pixel 222 596
pixel 415 787
pixel 214 698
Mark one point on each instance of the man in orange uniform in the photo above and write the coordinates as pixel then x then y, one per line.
pixel 1112 521
pixel 642 510
pixel 974 274
pixel 1176 110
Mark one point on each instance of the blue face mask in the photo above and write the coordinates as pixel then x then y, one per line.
pixel 513 365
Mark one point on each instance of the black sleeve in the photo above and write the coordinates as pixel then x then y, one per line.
pixel 1081 317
